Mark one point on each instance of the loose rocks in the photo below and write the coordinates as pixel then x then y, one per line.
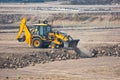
pixel 21 61
pixel 107 51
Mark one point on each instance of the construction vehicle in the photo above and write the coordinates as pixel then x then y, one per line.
pixel 42 36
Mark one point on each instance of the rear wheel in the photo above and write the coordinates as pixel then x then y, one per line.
pixel 37 43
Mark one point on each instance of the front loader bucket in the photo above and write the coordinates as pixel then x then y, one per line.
pixel 71 43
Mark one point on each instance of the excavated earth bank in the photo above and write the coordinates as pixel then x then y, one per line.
pixel 22 60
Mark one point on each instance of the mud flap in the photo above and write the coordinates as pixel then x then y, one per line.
pixel 71 44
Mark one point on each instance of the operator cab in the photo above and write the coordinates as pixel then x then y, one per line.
pixel 41 30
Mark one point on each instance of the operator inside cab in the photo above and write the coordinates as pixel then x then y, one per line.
pixel 42 29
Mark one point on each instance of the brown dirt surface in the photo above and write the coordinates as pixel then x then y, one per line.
pixel 98 31
pixel 100 68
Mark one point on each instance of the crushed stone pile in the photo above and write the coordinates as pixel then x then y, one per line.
pixel 20 61
pixel 107 51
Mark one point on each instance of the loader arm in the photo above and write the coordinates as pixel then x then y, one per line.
pixel 64 40
pixel 24 28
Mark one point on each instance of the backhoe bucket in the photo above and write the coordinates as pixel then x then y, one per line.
pixel 71 43
pixel 22 39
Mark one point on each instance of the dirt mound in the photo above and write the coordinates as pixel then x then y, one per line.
pixel 107 51
pixel 20 61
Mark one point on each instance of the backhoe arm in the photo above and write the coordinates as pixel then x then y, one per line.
pixel 27 33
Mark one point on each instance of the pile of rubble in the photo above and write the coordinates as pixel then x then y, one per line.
pixel 20 61
pixel 107 51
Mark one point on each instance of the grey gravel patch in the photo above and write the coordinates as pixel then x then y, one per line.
pixel 20 61
pixel 106 51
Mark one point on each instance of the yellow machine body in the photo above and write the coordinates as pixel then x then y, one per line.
pixel 24 28
pixel 42 36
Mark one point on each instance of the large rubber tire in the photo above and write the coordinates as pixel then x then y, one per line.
pixel 37 43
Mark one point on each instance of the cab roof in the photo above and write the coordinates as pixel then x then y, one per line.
pixel 40 24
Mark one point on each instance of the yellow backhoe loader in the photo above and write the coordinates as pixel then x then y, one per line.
pixel 42 36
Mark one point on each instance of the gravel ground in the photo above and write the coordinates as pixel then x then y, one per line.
pixel 48 64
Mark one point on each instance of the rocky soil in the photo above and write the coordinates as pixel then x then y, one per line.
pixel 107 51
pixel 20 61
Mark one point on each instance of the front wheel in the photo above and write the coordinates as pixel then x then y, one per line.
pixel 37 43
